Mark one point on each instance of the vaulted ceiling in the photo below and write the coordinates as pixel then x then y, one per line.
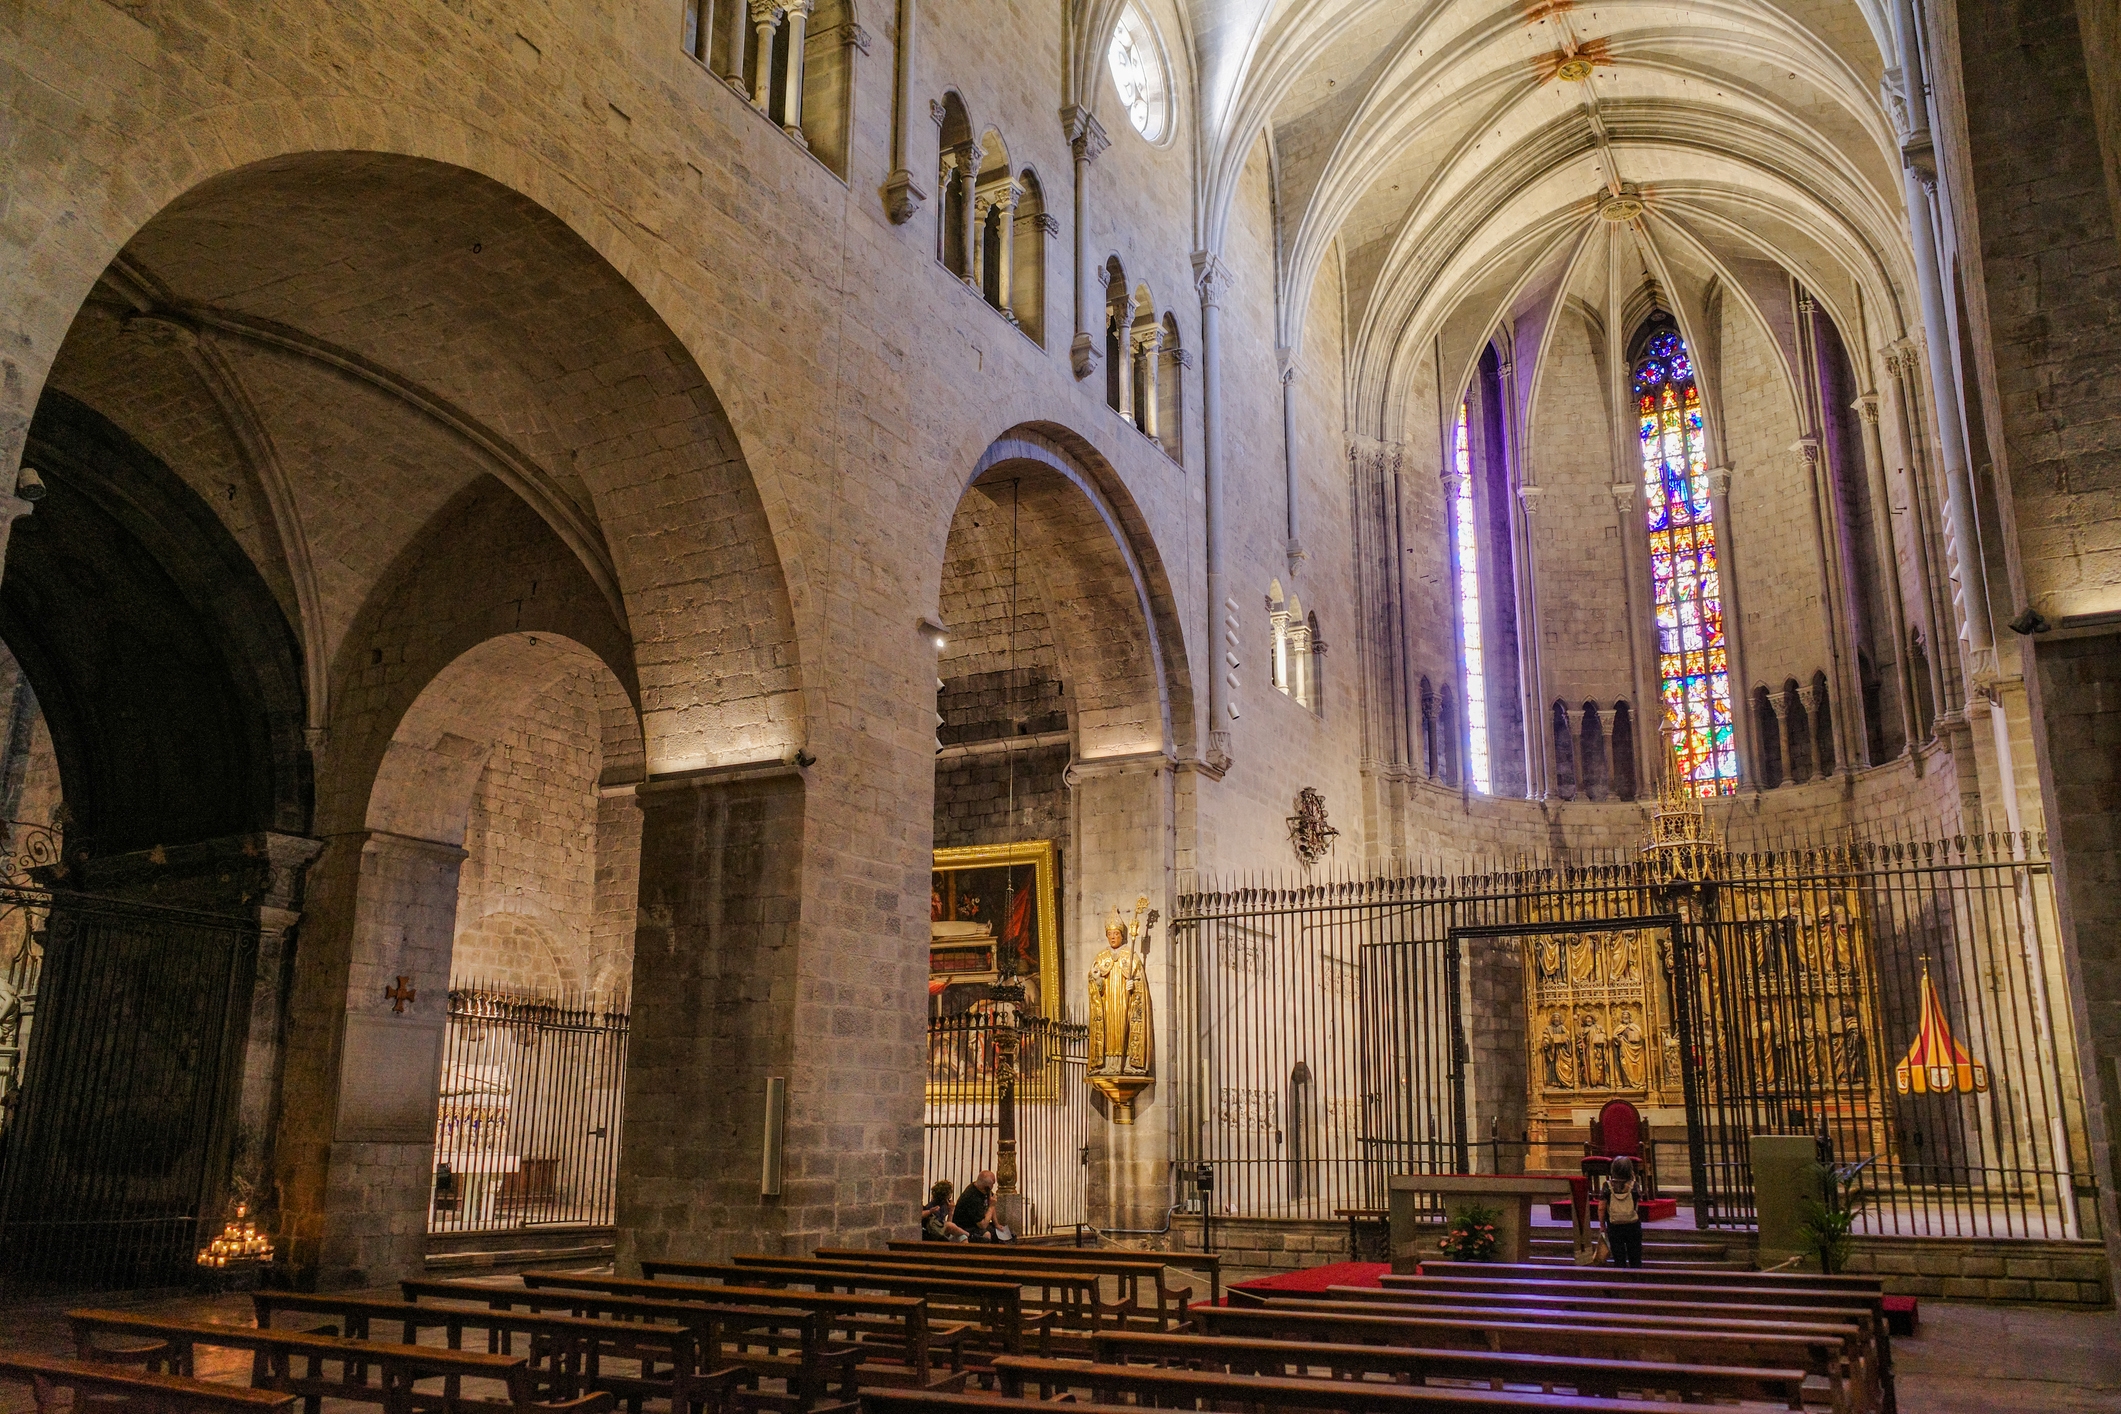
pixel 1454 158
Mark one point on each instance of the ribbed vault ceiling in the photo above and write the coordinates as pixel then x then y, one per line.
pixel 1447 156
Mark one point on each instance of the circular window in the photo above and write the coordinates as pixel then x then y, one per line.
pixel 1138 72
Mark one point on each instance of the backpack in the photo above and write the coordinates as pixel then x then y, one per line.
pixel 1620 1204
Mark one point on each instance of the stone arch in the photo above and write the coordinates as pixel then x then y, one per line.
pixel 381 208
pixel 169 678
pixel 1141 698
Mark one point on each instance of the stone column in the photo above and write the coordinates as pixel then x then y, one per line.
pixel 798 12
pixel 1214 280
pixel 968 160
pixel 715 981
pixel 1719 479
pixel 1147 344
pixel 739 37
pixel 980 205
pixel 1538 717
pixel 1792 698
pixel 1122 819
pixel 1121 312
pixel 1900 361
pixel 1291 368
pixel 1086 139
pixel 1866 408
pixel 1643 667
pixel 355 1152
pixel 902 197
pixel 1005 275
pixel 765 18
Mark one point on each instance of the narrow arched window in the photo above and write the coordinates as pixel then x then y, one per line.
pixel 1692 666
pixel 1465 519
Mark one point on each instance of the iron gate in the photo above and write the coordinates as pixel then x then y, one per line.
pixel 1052 1112
pixel 527 1131
pixel 115 1147
pixel 1799 1017
pixel 1322 1042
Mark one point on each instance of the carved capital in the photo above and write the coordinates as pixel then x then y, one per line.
pixel 1808 448
pixel 766 12
pixel 1212 278
pixel 1086 136
pixel 1291 366
pixel 1719 479
pixel 1866 407
pixel 1529 497
pixel 937 111
pixel 1624 494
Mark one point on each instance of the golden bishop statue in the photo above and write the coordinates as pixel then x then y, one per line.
pixel 1120 1052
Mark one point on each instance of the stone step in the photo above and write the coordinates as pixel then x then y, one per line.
pixel 1678 1250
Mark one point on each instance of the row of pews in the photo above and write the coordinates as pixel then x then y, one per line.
pixel 932 1327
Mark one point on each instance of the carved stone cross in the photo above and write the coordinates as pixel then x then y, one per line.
pixel 400 994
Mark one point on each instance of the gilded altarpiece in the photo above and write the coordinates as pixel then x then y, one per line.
pixel 1597 1025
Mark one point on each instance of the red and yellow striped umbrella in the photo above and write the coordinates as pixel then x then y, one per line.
pixel 1936 1064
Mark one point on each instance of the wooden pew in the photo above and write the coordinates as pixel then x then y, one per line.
pixel 1142 1273
pixel 569 1353
pixel 369 1372
pixel 1862 1294
pixel 1582 1374
pixel 142 1392
pixel 899 1401
pixel 897 1323
pixel 1674 1276
pixel 1816 1352
pixel 748 1338
pixel 1208 1264
pixel 1151 1383
pixel 995 1309
pixel 1075 1298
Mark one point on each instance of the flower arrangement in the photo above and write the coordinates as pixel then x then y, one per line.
pixel 1471 1235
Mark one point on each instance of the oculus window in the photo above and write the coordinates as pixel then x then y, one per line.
pixel 1138 72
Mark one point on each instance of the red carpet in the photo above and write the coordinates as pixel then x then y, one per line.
pixel 1654 1210
pixel 1319 1278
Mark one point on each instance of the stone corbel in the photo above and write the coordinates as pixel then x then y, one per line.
pixel 1624 495
pixel 1529 497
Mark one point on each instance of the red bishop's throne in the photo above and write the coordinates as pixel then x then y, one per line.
pixel 1619 1130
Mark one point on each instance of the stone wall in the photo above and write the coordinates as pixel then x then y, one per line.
pixel 1990 1270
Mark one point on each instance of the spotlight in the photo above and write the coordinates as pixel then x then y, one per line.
pixel 935 630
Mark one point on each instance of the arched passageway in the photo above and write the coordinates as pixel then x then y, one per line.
pixel 388 527
pixel 1055 795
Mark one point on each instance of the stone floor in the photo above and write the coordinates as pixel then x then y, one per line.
pixel 1966 1359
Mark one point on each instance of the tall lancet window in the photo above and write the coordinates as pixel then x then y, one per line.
pixel 1692 662
pixel 1463 522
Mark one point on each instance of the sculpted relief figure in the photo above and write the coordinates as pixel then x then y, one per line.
pixel 1548 951
pixel 1631 1053
pixel 1119 1004
pixel 1583 958
pixel 1620 961
pixel 1557 1053
pixel 1597 1059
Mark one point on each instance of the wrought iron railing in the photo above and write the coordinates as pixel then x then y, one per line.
pixel 1331 1034
pixel 1052 1112
pixel 528 1128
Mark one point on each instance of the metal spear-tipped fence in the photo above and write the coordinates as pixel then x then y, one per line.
pixel 528 1128
pixel 1052 1112
pixel 1331 1034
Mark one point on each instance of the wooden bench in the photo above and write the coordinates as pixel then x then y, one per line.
pixel 1790 1290
pixel 760 1341
pixel 994 1310
pixel 137 1392
pixel 898 1324
pixel 1155 1384
pixel 1582 1374
pixel 1075 1298
pixel 897 1401
pixel 369 1372
pixel 1675 1276
pixel 1208 1264
pixel 572 1354
pixel 1142 1275
pixel 1822 1352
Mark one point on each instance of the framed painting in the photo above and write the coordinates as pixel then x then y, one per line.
pixel 994 911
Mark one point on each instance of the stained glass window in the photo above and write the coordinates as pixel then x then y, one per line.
pixel 1692 662
pixel 1463 522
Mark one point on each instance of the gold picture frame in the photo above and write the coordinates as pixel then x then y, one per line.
pixel 957 952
